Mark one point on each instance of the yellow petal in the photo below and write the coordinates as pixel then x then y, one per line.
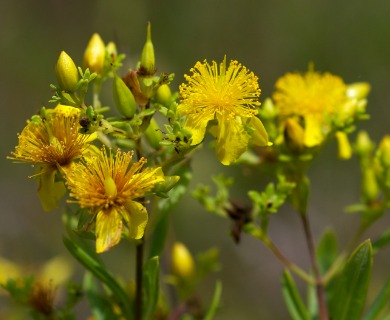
pixel 259 136
pixel 108 229
pixel 313 130
pixel 49 190
pixel 197 124
pixel 232 140
pixel 136 218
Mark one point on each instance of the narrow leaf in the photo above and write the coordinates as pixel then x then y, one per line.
pixel 382 241
pixel 292 298
pixel 151 287
pixel 349 299
pixel 327 250
pixel 99 271
pixel 379 303
pixel 101 307
pixel 215 302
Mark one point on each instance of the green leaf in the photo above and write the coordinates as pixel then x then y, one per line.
pixel 215 302
pixel 99 271
pixel 379 303
pixel 151 287
pixel 101 307
pixel 382 241
pixel 348 301
pixel 165 206
pixel 327 250
pixel 292 298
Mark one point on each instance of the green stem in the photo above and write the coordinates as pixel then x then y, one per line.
pixel 286 262
pixel 320 289
pixel 139 276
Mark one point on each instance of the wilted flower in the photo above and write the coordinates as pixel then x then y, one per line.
pixel 53 142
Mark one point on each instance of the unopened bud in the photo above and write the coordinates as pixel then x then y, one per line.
pixel 147 57
pixel 66 72
pixel 124 99
pixel 358 90
pixel 384 150
pixel 344 147
pixel 370 187
pixel 111 49
pixel 163 95
pixel 94 54
pixel 294 134
pixel 268 110
pixel 183 265
pixel 364 145
pixel 153 134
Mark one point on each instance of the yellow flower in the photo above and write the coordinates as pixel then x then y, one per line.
pixel 317 98
pixel 229 95
pixel 108 184
pixel 54 142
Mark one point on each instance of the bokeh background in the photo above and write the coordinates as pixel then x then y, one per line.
pixel 347 38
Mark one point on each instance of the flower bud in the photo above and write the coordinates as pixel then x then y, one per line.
pixel 268 110
pixel 370 188
pixel 66 72
pixel 147 58
pixel 294 134
pixel 124 99
pixel 344 147
pixel 364 145
pixel 153 134
pixel 183 265
pixel 163 95
pixel 111 49
pixel 358 90
pixel 384 150
pixel 94 54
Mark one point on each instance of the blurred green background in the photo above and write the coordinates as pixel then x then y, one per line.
pixel 347 38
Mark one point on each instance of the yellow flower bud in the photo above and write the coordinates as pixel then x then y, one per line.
pixel 345 150
pixel 163 95
pixel 370 188
pixel 147 57
pixel 364 145
pixel 124 99
pixel 94 54
pixel 294 134
pixel 111 49
pixel 358 90
pixel 66 72
pixel 183 265
pixel 384 150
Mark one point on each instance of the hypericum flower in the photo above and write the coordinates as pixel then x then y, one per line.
pixel 108 185
pixel 229 95
pixel 316 98
pixel 54 142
